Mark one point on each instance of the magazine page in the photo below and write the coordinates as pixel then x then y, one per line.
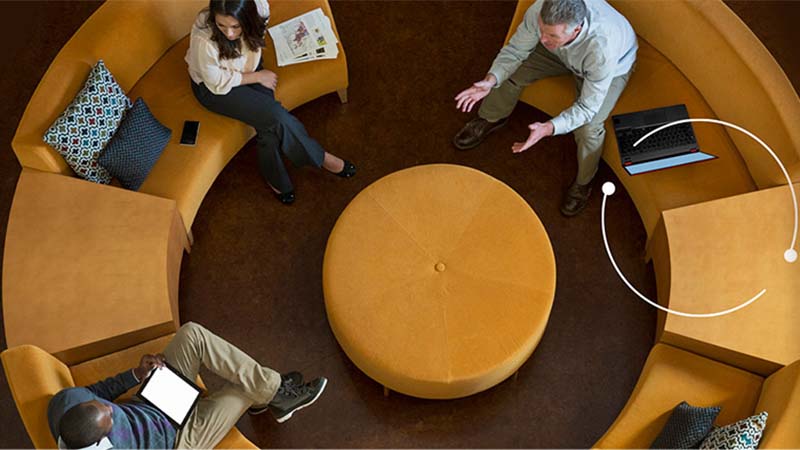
pixel 304 38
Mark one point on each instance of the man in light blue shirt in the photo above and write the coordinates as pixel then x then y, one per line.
pixel 587 38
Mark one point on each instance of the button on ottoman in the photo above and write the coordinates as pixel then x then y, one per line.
pixel 438 281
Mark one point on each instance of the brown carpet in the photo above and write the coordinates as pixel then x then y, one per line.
pixel 254 273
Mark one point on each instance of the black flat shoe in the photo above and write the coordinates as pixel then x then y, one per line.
pixel 348 171
pixel 287 198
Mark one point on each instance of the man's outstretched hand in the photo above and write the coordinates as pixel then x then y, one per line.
pixel 467 98
pixel 148 363
pixel 538 131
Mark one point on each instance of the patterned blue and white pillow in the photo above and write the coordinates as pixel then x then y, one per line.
pixel 744 434
pixel 88 123
pixel 135 147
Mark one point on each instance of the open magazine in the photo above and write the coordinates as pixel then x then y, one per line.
pixel 307 37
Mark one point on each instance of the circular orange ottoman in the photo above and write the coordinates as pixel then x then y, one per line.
pixel 438 281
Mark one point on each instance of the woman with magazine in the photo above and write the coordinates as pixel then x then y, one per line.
pixel 224 60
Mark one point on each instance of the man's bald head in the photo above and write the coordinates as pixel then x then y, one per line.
pixel 85 424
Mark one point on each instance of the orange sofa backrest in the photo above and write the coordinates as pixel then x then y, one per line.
pixel 129 36
pixel 780 397
pixel 34 376
pixel 731 68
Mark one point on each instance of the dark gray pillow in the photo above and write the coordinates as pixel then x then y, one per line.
pixel 135 147
pixel 687 427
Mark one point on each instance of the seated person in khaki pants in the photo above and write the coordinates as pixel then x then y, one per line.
pixel 83 416
pixel 587 38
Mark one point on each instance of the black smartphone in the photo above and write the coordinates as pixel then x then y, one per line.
pixel 189 135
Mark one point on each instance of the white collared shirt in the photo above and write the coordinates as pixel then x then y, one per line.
pixel 103 444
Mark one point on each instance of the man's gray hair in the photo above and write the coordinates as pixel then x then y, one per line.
pixel 557 12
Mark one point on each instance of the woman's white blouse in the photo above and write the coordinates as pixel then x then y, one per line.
pixel 205 65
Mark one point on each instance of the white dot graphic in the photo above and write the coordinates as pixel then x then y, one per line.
pixel 789 255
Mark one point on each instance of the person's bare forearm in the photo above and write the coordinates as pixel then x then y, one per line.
pixel 263 77
pixel 250 78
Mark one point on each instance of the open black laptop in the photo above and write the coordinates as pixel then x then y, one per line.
pixel 670 147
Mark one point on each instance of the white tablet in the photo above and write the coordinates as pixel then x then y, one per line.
pixel 171 393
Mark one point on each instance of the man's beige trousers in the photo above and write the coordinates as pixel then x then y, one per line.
pixel 249 383
pixel 542 64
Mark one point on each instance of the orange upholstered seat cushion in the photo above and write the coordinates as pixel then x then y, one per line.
pixel 109 365
pixel 671 376
pixel 654 83
pixel 438 281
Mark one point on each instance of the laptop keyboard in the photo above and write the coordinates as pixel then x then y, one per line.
pixel 674 136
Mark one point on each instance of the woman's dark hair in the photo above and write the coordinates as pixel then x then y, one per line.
pixel 254 27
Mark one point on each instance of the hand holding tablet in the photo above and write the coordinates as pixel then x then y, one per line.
pixel 170 392
pixel 147 364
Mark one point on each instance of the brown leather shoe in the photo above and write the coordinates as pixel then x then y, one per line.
pixel 576 198
pixel 475 131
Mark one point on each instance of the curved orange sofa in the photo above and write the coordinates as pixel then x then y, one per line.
pixel 720 70
pixel 672 375
pixel 35 376
pixel 143 44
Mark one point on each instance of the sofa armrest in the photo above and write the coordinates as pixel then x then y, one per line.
pixel 779 180
pixel 34 376
pixel 780 397
pixel 671 375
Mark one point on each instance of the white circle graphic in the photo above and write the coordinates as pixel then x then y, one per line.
pixel 790 255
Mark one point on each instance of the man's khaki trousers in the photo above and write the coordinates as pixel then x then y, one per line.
pixel 542 64
pixel 249 383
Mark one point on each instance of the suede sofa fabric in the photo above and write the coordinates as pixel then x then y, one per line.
pixel 782 398
pixel 35 376
pixel 672 375
pixel 152 67
pixel 669 70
